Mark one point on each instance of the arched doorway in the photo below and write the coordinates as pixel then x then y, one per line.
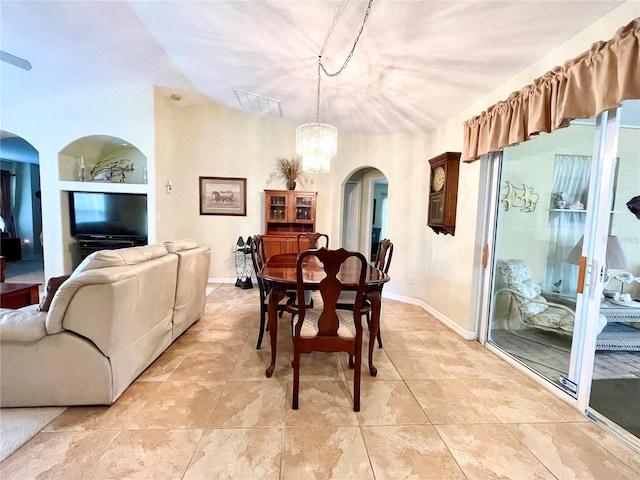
pixel 20 211
pixel 364 212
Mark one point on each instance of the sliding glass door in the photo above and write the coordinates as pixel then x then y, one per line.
pixel 612 392
pixel 565 262
pixel 540 225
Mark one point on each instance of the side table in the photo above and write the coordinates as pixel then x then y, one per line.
pixel 17 295
pixel 617 335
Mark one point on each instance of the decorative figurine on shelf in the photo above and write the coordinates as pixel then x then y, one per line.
pixel 577 205
pixel 559 200
pixel 558 286
pixel 109 169
pixel 81 168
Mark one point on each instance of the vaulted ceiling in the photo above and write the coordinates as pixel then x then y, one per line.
pixel 417 64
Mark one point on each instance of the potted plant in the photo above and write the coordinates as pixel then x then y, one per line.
pixel 289 170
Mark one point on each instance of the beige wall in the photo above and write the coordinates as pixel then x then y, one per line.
pixel 211 140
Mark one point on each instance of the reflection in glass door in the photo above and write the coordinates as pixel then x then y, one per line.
pixel 565 291
pixel 541 221
pixel 615 386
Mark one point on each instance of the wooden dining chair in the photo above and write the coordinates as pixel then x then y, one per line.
pixel 314 239
pixel 258 259
pixel 382 262
pixel 329 329
pixel 383 257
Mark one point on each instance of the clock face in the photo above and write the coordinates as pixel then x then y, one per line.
pixel 437 179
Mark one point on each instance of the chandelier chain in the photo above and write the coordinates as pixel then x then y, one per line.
pixel 344 65
pixel 348 59
pixel 318 98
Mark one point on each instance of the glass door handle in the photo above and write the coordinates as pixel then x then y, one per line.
pixel 582 271
pixel 485 255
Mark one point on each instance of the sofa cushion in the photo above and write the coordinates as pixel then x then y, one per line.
pixel 52 287
pixel 22 325
pixel 179 245
pixel 120 258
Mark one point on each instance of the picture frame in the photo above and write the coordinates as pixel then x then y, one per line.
pixel 223 196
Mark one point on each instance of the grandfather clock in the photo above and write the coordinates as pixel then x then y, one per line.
pixel 443 192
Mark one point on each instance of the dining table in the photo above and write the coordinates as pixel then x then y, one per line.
pixel 280 272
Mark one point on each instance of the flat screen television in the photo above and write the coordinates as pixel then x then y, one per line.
pixel 108 215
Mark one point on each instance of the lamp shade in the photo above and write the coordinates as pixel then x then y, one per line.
pixel 615 257
pixel 576 252
pixel 316 143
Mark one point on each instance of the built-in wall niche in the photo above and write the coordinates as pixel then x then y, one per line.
pixel 103 159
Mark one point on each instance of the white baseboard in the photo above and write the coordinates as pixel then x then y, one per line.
pixel 221 280
pixel 466 334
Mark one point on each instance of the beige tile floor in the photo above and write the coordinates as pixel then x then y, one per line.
pixel 440 408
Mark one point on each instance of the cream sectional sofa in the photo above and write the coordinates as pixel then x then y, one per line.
pixel 117 312
pixel 193 273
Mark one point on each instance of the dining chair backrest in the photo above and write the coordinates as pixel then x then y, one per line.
pixel 329 329
pixel 331 286
pixel 314 239
pixel 257 257
pixel 383 257
pixel 259 244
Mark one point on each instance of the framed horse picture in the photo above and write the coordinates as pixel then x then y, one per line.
pixel 223 196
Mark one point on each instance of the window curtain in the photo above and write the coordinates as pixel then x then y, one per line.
pixel 566 226
pixel 595 81
pixel 6 205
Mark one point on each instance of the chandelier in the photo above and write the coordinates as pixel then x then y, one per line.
pixel 318 142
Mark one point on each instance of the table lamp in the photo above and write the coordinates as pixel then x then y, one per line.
pixel 615 258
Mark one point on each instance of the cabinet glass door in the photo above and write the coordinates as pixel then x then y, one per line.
pixel 278 208
pixel 303 208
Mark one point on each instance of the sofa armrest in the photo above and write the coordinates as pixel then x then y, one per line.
pixel 22 325
pixel 174 246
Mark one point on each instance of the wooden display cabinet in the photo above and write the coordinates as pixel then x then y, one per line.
pixel 287 213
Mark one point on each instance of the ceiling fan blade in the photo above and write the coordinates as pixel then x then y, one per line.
pixel 16 61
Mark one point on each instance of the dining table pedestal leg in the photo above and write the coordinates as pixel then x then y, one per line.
pixel 277 294
pixel 374 299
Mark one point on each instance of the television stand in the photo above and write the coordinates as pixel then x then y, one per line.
pixel 87 247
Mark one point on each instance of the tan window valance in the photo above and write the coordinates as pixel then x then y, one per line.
pixel 598 80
